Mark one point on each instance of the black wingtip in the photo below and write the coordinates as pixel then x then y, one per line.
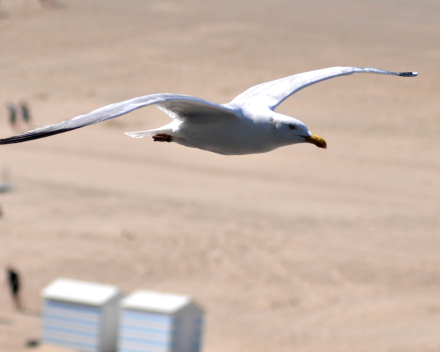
pixel 29 136
pixel 11 140
pixel 408 74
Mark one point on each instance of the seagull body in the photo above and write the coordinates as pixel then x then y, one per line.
pixel 246 125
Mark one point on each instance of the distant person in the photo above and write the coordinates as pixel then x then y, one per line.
pixel 14 285
pixel 25 113
pixel 12 116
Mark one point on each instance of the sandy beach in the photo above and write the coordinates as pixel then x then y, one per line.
pixel 300 249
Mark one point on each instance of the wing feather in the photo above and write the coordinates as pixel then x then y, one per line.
pixel 179 105
pixel 273 93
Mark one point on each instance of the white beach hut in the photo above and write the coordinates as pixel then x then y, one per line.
pixel 81 315
pixel 159 322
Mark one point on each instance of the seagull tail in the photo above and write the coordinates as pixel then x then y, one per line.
pixel 141 134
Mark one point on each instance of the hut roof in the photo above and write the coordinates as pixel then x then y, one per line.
pixel 80 292
pixel 158 302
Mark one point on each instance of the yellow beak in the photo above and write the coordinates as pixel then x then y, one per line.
pixel 316 140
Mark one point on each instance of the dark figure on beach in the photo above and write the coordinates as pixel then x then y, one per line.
pixel 14 286
pixel 12 116
pixel 25 113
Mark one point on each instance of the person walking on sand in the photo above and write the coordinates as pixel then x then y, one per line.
pixel 12 116
pixel 25 113
pixel 14 285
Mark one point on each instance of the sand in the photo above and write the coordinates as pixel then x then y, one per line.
pixel 299 249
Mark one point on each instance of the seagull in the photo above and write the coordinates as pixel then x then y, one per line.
pixel 246 125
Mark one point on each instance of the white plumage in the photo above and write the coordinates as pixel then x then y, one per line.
pixel 246 125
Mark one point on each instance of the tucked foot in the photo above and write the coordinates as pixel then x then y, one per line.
pixel 163 138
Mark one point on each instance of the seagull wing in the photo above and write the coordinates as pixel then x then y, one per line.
pixel 196 109
pixel 175 105
pixel 273 93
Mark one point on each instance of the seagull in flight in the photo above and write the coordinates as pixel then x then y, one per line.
pixel 246 125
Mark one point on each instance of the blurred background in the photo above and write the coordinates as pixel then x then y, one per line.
pixel 300 249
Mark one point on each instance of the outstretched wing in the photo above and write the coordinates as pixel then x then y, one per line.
pixel 273 93
pixel 179 105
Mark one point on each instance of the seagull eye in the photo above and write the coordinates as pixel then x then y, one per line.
pixel 292 127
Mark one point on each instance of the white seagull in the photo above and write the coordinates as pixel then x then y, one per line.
pixel 246 125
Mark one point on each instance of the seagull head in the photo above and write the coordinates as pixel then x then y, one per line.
pixel 292 131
